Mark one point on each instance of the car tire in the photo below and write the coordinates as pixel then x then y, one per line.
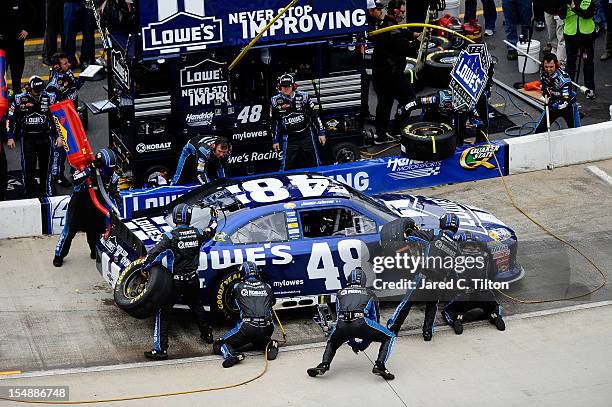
pixel 223 304
pixel 345 152
pixel 141 293
pixel 392 236
pixel 428 141
pixel 83 115
pixel 438 67
pixel 437 43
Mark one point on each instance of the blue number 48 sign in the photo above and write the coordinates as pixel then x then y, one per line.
pixel 469 76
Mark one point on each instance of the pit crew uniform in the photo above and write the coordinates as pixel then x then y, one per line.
pixel 562 100
pixel 181 249
pixel 30 119
pixel 429 243
pixel 295 121
pixel 81 214
pixel 209 167
pixel 254 299
pixel 358 317
pixel 3 163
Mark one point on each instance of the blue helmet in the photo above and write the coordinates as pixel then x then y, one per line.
pixel 106 158
pixel 181 214
pixel 357 277
pixel 450 221
pixel 249 269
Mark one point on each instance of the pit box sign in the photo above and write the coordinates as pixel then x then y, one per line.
pixel 469 76
pixel 169 27
pixel 205 84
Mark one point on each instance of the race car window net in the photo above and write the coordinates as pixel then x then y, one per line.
pixel 266 229
pixel 335 222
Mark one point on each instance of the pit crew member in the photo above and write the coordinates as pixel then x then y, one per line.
pixel 211 158
pixel 181 248
pixel 294 124
pixel 558 88
pixel 428 244
pixel 255 299
pixel 30 119
pixel 358 317
pixel 82 215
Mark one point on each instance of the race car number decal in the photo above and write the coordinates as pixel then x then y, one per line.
pixel 353 253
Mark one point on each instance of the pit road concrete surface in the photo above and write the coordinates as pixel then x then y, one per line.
pixel 55 318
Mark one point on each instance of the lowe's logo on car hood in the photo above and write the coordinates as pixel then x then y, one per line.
pixel 182 30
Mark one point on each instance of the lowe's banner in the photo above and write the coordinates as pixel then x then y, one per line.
pixel 174 26
pixel 388 174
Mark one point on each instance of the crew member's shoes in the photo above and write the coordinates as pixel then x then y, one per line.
pixel 156 354
pixel 512 55
pixel 272 350
pixel 217 347
pixel 540 25
pixel 498 321
pixel 427 335
pixel 63 181
pixel 92 254
pixel 319 370
pixel 58 261
pixel 207 336
pixel 379 369
pixel 590 94
pixel 232 360
pixel 458 325
pixel 394 329
pixel 488 32
pixel 384 139
pixel 605 56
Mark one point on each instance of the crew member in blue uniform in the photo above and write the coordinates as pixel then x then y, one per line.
pixel 557 86
pixel 295 124
pixel 211 158
pixel 254 299
pixel 181 249
pixel 358 318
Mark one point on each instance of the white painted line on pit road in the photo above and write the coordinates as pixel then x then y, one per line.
pixel 599 173
pixel 291 348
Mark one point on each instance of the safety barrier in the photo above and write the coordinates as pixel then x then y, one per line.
pixel 34 217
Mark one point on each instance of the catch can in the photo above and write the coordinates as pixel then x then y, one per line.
pixel 70 129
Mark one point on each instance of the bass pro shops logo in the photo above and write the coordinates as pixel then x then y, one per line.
pixel 176 29
pixel 474 157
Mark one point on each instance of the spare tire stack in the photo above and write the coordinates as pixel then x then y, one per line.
pixel 438 67
pixel 428 141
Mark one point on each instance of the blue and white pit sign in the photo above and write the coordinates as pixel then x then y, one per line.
pixel 469 76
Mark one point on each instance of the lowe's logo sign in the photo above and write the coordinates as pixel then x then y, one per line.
pixel 188 28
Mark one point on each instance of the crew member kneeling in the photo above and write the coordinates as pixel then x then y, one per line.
pixel 182 248
pixel 358 317
pixel 255 300
pixel 295 122
pixel 211 158
pixel 558 88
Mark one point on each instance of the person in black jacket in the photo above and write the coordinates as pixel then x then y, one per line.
pixel 255 300
pixel 358 318
pixel 15 28
pixel 181 248
pixel 388 63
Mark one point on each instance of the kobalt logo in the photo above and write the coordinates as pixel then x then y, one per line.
pixel 252 293
pixel 249 134
pixel 405 168
pixel 199 119
pixel 147 148
pixel 187 245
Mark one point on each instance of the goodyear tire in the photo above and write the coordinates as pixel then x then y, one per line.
pixel 83 115
pixel 224 304
pixel 392 237
pixel 438 67
pixel 428 141
pixel 436 43
pixel 415 76
pixel 345 153
pixel 140 293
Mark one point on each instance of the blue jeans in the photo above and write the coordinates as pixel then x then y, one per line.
pixel 78 18
pixel 600 14
pixel 488 7
pixel 516 12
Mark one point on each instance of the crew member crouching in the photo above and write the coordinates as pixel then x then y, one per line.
pixel 211 158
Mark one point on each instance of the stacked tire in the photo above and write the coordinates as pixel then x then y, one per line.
pixel 438 67
pixel 428 141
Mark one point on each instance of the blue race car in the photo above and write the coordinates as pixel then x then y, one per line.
pixel 306 231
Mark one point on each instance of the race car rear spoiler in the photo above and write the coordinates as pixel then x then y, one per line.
pixel 126 236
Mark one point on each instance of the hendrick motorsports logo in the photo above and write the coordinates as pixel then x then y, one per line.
pixel 182 30
pixel 199 119
pixel 474 157
pixel 405 168
pixel 149 148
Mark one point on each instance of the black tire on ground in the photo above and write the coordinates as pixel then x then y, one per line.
pixel 428 141
pixel 392 236
pixel 140 293
pixel 438 67
pixel 416 77
pixel 223 301
pixel 83 115
pixel 345 152
pixel 437 44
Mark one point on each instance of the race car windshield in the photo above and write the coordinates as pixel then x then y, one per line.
pixel 220 199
